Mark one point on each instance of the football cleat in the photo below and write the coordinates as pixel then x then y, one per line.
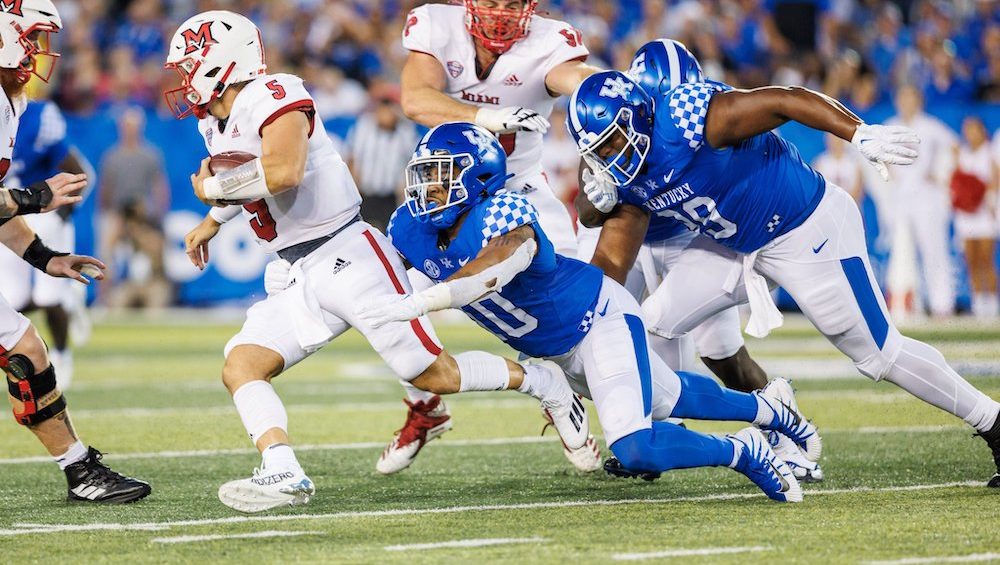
pixel 425 421
pixel 613 467
pixel 565 411
pixel 758 462
pixel 267 489
pixel 586 458
pixel 779 396
pixel 992 438
pixel 805 471
pixel 90 480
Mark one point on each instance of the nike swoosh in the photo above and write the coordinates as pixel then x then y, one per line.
pixel 605 309
pixel 818 249
pixel 462 262
pixel 670 175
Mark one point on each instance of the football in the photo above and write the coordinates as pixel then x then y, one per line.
pixel 229 160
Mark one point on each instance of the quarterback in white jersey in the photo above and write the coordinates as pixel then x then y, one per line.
pixel 497 64
pixel 301 202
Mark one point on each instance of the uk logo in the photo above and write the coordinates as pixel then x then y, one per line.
pixel 616 87
pixel 455 68
pixel 197 40
pixel 479 139
pixel 12 7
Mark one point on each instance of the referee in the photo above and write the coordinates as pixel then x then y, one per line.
pixel 378 148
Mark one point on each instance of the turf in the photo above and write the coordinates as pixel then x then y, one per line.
pixel 903 479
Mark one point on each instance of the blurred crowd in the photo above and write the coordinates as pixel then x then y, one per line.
pixel 905 55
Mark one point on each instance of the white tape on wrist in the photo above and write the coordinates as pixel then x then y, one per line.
pixel 246 182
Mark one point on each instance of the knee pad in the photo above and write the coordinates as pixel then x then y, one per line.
pixel 633 451
pixel 33 390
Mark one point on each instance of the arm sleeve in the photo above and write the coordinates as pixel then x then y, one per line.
pixel 224 214
pixel 505 213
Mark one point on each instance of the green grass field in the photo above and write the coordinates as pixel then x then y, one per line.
pixel 903 479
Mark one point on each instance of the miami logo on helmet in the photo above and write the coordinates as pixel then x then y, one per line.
pixel 12 7
pixel 196 40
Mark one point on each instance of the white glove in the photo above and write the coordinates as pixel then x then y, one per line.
pixel 886 144
pixel 276 276
pixel 511 118
pixel 387 308
pixel 601 192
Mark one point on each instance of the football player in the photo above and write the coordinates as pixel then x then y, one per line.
pixel 299 199
pixel 493 260
pixel 37 401
pixel 41 151
pixel 660 66
pixel 705 154
pixel 497 64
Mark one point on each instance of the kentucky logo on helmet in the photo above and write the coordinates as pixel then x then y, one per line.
pixel 12 7
pixel 616 87
pixel 196 40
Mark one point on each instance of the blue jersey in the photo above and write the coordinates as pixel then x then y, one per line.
pixel 41 143
pixel 544 311
pixel 743 196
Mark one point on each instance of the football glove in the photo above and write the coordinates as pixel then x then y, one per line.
pixel 601 192
pixel 883 145
pixel 511 118
pixel 276 276
pixel 387 308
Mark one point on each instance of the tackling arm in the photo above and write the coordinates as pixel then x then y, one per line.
pixel 621 237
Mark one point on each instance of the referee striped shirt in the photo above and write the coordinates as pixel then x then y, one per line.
pixel 379 156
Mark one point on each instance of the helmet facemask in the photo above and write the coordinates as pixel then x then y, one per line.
pixel 618 152
pixel 441 171
pixel 186 99
pixel 36 41
pixel 498 28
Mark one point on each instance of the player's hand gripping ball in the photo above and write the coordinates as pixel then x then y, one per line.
pixel 226 161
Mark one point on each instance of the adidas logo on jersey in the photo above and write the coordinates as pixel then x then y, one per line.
pixel 512 80
pixel 236 131
pixel 340 265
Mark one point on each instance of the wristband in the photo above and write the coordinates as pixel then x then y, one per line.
pixel 32 199
pixel 38 255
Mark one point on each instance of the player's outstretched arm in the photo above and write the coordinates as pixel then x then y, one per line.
pixel 563 79
pixel 496 265
pixel 61 190
pixel 424 101
pixel 621 237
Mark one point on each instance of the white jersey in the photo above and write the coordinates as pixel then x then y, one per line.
pixel 12 110
pixel 516 79
pixel 934 154
pixel 327 198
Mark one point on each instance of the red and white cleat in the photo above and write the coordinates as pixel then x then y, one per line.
pixel 587 457
pixel 424 422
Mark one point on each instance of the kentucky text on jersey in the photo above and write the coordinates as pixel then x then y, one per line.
pixel 544 311
pixel 743 196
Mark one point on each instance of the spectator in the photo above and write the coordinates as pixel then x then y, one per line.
pixel 920 210
pixel 840 167
pixel 378 149
pixel 974 191
pixel 561 161
pixel 133 199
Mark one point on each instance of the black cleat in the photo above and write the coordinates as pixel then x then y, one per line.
pixel 992 438
pixel 92 481
pixel 613 467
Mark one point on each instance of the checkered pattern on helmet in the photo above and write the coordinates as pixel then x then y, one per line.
pixel 688 108
pixel 505 213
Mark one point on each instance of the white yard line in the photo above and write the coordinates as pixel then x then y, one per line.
pixel 305 447
pixel 950 559
pixel 687 552
pixel 28 529
pixel 252 535
pixel 463 543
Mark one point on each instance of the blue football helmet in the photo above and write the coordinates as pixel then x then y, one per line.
pixel 663 64
pixel 610 117
pixel 464 162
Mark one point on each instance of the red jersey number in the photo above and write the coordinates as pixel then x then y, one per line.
pixel 277 91
pixel 262 222
pixel 573 36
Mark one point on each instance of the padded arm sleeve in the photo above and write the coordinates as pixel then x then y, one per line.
pixel 460 292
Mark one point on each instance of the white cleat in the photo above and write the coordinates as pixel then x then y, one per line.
pixel 266 490
pixel 586 459
pixel 757 462
pixel 805 471
pixel 425 421
pixel 789 421
pixel 564 410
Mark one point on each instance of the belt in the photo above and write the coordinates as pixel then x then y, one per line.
pixel 293 253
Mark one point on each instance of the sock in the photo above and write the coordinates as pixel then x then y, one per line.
pixel 667 446
pixel 922 371
pixel 482 371
pixel 260 408
pixel 538 381
pixel 702 398
pixel 76 452
pixel 280 457
pixel 414 394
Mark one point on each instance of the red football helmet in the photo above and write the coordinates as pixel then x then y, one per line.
pixel 498 28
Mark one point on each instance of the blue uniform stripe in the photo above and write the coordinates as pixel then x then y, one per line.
pixel 638 332
pixel 857 276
